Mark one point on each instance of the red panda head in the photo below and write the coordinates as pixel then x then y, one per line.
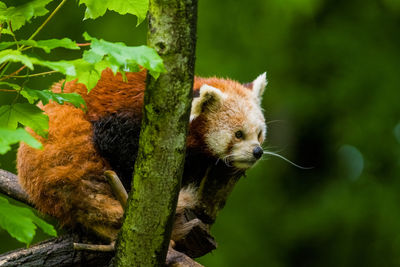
pixel 230 116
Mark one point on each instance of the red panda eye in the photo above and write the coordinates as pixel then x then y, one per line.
pixel 239 134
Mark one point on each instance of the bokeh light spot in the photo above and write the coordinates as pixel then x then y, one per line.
pixel 352 161
pixel 396 132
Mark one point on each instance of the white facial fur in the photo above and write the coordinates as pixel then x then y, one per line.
pixel 236 115
pixel 254 131
pixel 229 112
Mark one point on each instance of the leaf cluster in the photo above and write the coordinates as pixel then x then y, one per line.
pixel 19 62
pixel 100 55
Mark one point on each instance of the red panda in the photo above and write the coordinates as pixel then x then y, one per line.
pixel 66 178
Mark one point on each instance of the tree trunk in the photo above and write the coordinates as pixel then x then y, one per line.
pixel 145 234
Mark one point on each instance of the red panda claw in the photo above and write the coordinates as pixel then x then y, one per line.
pixel 117 187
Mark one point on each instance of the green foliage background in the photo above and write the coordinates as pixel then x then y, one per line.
pixel 333 68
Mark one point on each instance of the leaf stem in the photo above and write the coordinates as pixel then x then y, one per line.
pixel 8 90
pixel 13 74
pixel 4 67
pixel 13 35
pixel 35 74
pixel 47 20
pixel 84 44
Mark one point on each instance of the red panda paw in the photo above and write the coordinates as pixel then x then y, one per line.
pixel 182 229
pixel 187 201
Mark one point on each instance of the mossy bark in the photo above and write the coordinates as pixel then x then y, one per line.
pixel 145 234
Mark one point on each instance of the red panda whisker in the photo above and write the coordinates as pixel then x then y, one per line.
pixel 226 161
pixel 269 148
pixel 274 121
pixel 285 159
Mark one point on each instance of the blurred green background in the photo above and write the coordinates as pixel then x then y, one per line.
pixel 333 103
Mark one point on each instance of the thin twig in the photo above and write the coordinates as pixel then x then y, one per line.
pixel 4 68
pixel 47 20
pixel 13 35
pixel 13 74
pixel 2 65
pixel 92 247
pixel 35 74
pixel 84 44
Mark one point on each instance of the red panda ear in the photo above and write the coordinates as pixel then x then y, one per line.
pixel 258 86
pixel 210 99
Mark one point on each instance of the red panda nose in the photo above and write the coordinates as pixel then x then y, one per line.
pixel 258 152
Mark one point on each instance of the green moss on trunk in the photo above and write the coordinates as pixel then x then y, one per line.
pixel 144 237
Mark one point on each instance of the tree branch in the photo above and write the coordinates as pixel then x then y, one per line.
pixel 55 252
pixel 177 259
pixel 9 186
pixel 60 251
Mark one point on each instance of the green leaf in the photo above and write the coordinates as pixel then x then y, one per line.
pixel 65 67
pixel 15 56
pixel 122 57
pixel 95 8
pixel 116 56
pixel 46 45
pixel 26 114
pixel 21 223
pixel 4 45
pixel 55 43
pixel 88 73
pixel 45 96
pixel 9 137
pixel 11 85
pixel 62 66
pixel 19 15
